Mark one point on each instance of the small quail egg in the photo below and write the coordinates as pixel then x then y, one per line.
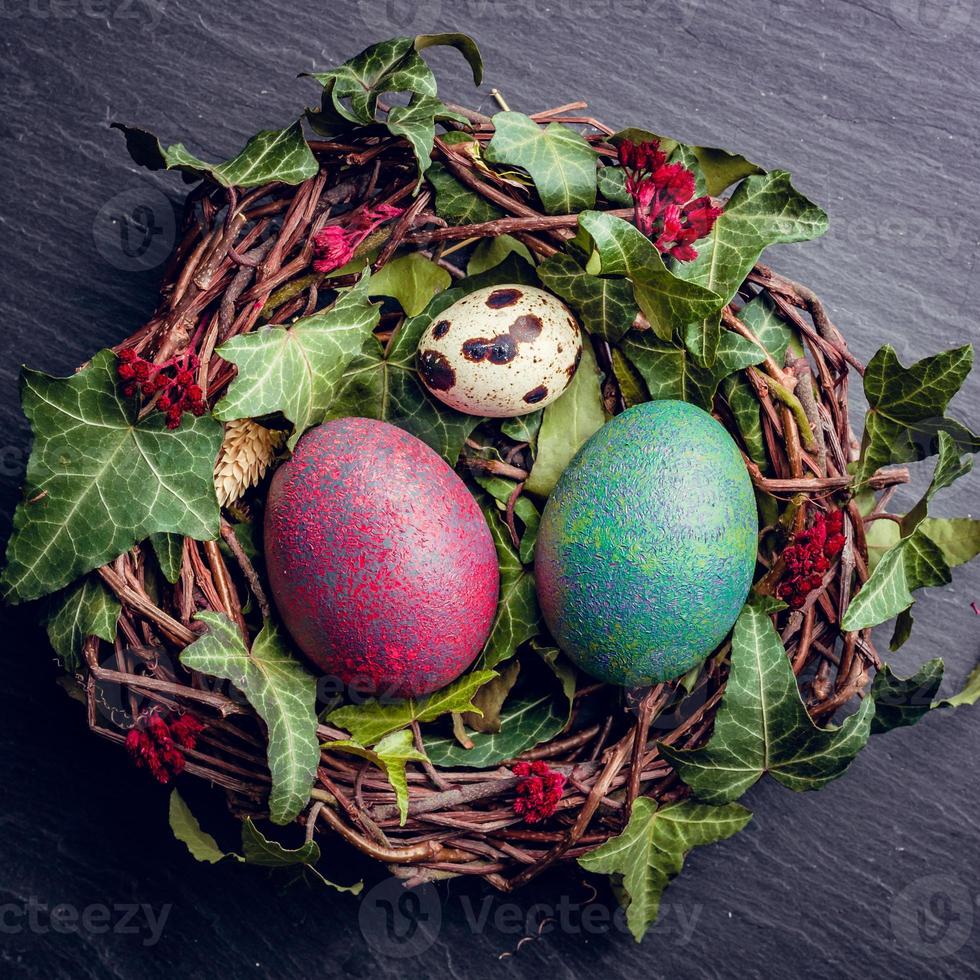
pixel 501 351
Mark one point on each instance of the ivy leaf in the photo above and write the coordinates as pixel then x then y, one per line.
pixel 673 372
pixel 567 424
pixel 968 694
pixel 100 481
pixel 417 123
pixel 652 848
pixel 668 302
pixel 907 408
pixel 86 608
pixel 914 562
pixel 518 617
pixel 283 694
pixel 958 538
pixel 273 155
pixel 763 726
pixel 523 722
pixel 383 383
pixel 411 279
pixel 903 701
pixel 605 305
pixel 746 411
pixel 371 720
pixel 463 43
pixel 501 490
pixel 187 830
pixel 265 853
pixel 612 186
pixel 390 755
pixel 169 549
pixel 490 252
pixel 490 700
pixel 297 370
pixel 560 161
pixel 764 210
pixel 455 202
pixel 524 428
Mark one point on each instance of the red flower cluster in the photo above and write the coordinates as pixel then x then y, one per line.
pixel 539 790
pixel 809 556
pixel 662 202
pixel 335 245
pixel 156 744
pixel 174 380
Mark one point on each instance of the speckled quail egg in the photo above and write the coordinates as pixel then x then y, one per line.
pixel 500 351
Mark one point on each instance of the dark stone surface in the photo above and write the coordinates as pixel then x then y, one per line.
pixel 872 105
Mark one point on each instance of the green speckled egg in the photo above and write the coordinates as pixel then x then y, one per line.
pixel 647 545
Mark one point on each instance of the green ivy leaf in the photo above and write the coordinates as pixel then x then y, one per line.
pixel 967 695
pixel 265 853
pixel 490 252
pixel 669 303
pixel 612 186
pixel 86 608
pixel 455 202
pixel 903 701
pixel 518 617
pixel 371 720
pixel 522 722
pixel 764 210
pixel 560 161
pixel 652 849
pixel 99 480
pixel 524 428
pixel 463 43
pixel 187 830
pixel 417 123
pixel 907 408
pixel 390 755
pixel 763 726
pixel 169 549
pixel 283 694
pixel 272 155
pixel 501 491
pixel 411 279
pixel 384 384
pixel 605 305
pixel 567 424
pixel 673 372
pixel 958 538
pixel 748 418
pixel 297 370
pixel 914 562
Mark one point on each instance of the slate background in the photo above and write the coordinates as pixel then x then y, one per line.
pixel 871 105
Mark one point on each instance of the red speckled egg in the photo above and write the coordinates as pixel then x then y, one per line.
pixel 379 559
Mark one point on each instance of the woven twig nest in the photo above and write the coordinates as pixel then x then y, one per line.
pixel 249 257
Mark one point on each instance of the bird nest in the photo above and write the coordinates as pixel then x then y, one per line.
pixel 452 796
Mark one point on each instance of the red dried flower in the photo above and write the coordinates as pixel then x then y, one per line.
pixel 156 744
pixel 809 556
pixel 173 380
pixel 539 790
pixel 662 205
pixel 335 245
